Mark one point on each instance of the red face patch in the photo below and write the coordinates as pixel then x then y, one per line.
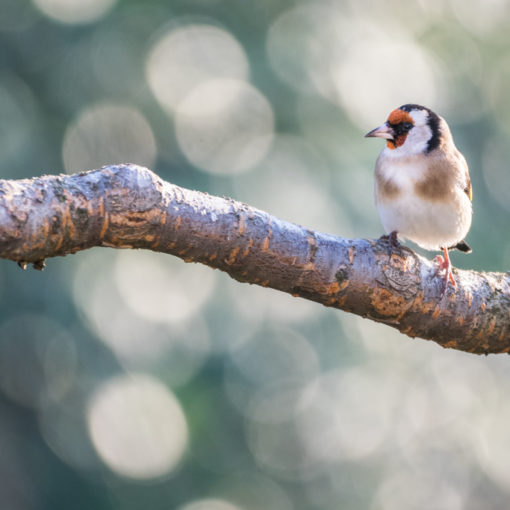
pixel 393 144
pixel 397 116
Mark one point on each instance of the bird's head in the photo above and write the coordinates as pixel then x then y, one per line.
pixel 410 129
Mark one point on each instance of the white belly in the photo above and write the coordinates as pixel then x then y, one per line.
pixel 431 225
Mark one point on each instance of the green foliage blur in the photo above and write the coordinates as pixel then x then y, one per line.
pixel 131 380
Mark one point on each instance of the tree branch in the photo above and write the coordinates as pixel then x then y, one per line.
pixel 126 206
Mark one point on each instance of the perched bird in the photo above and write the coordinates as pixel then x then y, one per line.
pixel 422 186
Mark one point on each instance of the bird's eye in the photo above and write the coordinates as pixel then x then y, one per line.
pixel 402 128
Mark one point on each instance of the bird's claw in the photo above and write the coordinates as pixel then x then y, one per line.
pixel 444 263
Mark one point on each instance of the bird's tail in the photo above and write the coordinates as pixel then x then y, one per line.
pixel 462 246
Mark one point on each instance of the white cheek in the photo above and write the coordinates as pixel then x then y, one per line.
pixel 415 143
pixel 417 139
pixel 419 136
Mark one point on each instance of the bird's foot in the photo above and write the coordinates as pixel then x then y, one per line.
pixel 394 246
pixel 445 265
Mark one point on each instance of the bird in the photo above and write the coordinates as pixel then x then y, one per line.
pixel 422 189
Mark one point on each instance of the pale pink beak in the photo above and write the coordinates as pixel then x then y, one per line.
pixel 384 131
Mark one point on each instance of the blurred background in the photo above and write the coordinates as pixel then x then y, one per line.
pixel 129 379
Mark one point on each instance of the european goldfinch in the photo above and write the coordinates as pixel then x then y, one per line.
pixel 422 186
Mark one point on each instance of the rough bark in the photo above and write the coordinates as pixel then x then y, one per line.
pixel 126 206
